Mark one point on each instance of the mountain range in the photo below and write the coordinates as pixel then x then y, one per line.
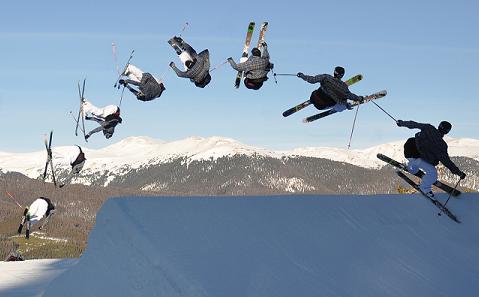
pixel 219 165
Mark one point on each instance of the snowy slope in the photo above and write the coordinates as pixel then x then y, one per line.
pixel 30 278
pixel 135 152
pixel 287 246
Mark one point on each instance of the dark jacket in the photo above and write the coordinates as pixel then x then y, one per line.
pixel 334 87
pixel 431 145
pixel 50 206
pixel 150 87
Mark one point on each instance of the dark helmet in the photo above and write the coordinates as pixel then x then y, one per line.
pixel 256 52
pixel 444 127
pixel 339 72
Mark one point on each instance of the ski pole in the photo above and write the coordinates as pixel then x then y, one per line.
pixel 450 193
pixel 75 119
pixel 218 66
pixel 285 74
pixel 115 57
pixel 10 195
pixel 184 28
pixel 354 124
pixel 121 97
pixel 383 110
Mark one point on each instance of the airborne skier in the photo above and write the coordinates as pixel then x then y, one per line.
pixel 333 92
pixel 149 87
pixel 426 150
pixel 256 67
pixel 108 117
pixel 38 209
pixel 76 158
pixel 197 66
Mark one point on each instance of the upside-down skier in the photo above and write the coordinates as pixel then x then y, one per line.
pixel 41 207
pixel 197 66
pixel 108 117
pixel 76 158
pixel 255 68
pixel 425 150
pixel 149 87
pixel 333 92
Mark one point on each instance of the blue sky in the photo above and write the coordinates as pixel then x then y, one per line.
pixel 424 53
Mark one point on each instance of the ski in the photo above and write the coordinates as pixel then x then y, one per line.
pixel 446 188
pixel 306 103
pixel 117 84
pixel 81 93
pixel 244 56
pixel 326 113
pixel 436 202
pixel 262 31
pixel 48 147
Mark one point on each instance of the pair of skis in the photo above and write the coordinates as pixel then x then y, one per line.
pixel 81 93
pixel 438 184
pixel 249 36
pixel 306 103
pixel 326 113
pixel 49 162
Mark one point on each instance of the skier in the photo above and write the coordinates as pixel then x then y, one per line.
pixel 108 117
pixel 42 207
pixel 426 150
pixel 76 158
pixel 255 68
pixel 149 87
pixel 333 92
pixel 197 66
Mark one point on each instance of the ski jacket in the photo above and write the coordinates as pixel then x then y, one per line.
pixel 255 67
pixel 150 87
pixel 75 155
pixel 431 145
pixel 334 87
pixel 200 69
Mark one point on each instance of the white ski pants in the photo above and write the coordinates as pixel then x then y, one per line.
pixel 430 171
pixel 134 73
pixel 99 112
pixel 37 210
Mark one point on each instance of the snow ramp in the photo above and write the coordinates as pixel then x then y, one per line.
pixel 382 245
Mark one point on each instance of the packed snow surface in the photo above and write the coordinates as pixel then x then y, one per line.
pixel 345 246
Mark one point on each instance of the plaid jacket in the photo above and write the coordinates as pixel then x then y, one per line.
pixel 254 67
pixel 199 70
pixel 431 145
pixel 336 88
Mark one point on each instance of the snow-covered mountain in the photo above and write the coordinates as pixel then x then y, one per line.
pixel 135 154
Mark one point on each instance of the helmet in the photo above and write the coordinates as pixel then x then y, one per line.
pixel 256 52
pixel 339 72
pixel 444 127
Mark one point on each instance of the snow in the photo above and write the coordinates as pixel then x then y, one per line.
pixel 30 278
pixel 135 152
pixel 382 245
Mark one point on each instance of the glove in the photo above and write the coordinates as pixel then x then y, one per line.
pixel 230 59
pixel 300 74
pixel 361 99
pixel 264 43
pixel 400 123
pixel 462 175
pixel 122 82
pixel 172 64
